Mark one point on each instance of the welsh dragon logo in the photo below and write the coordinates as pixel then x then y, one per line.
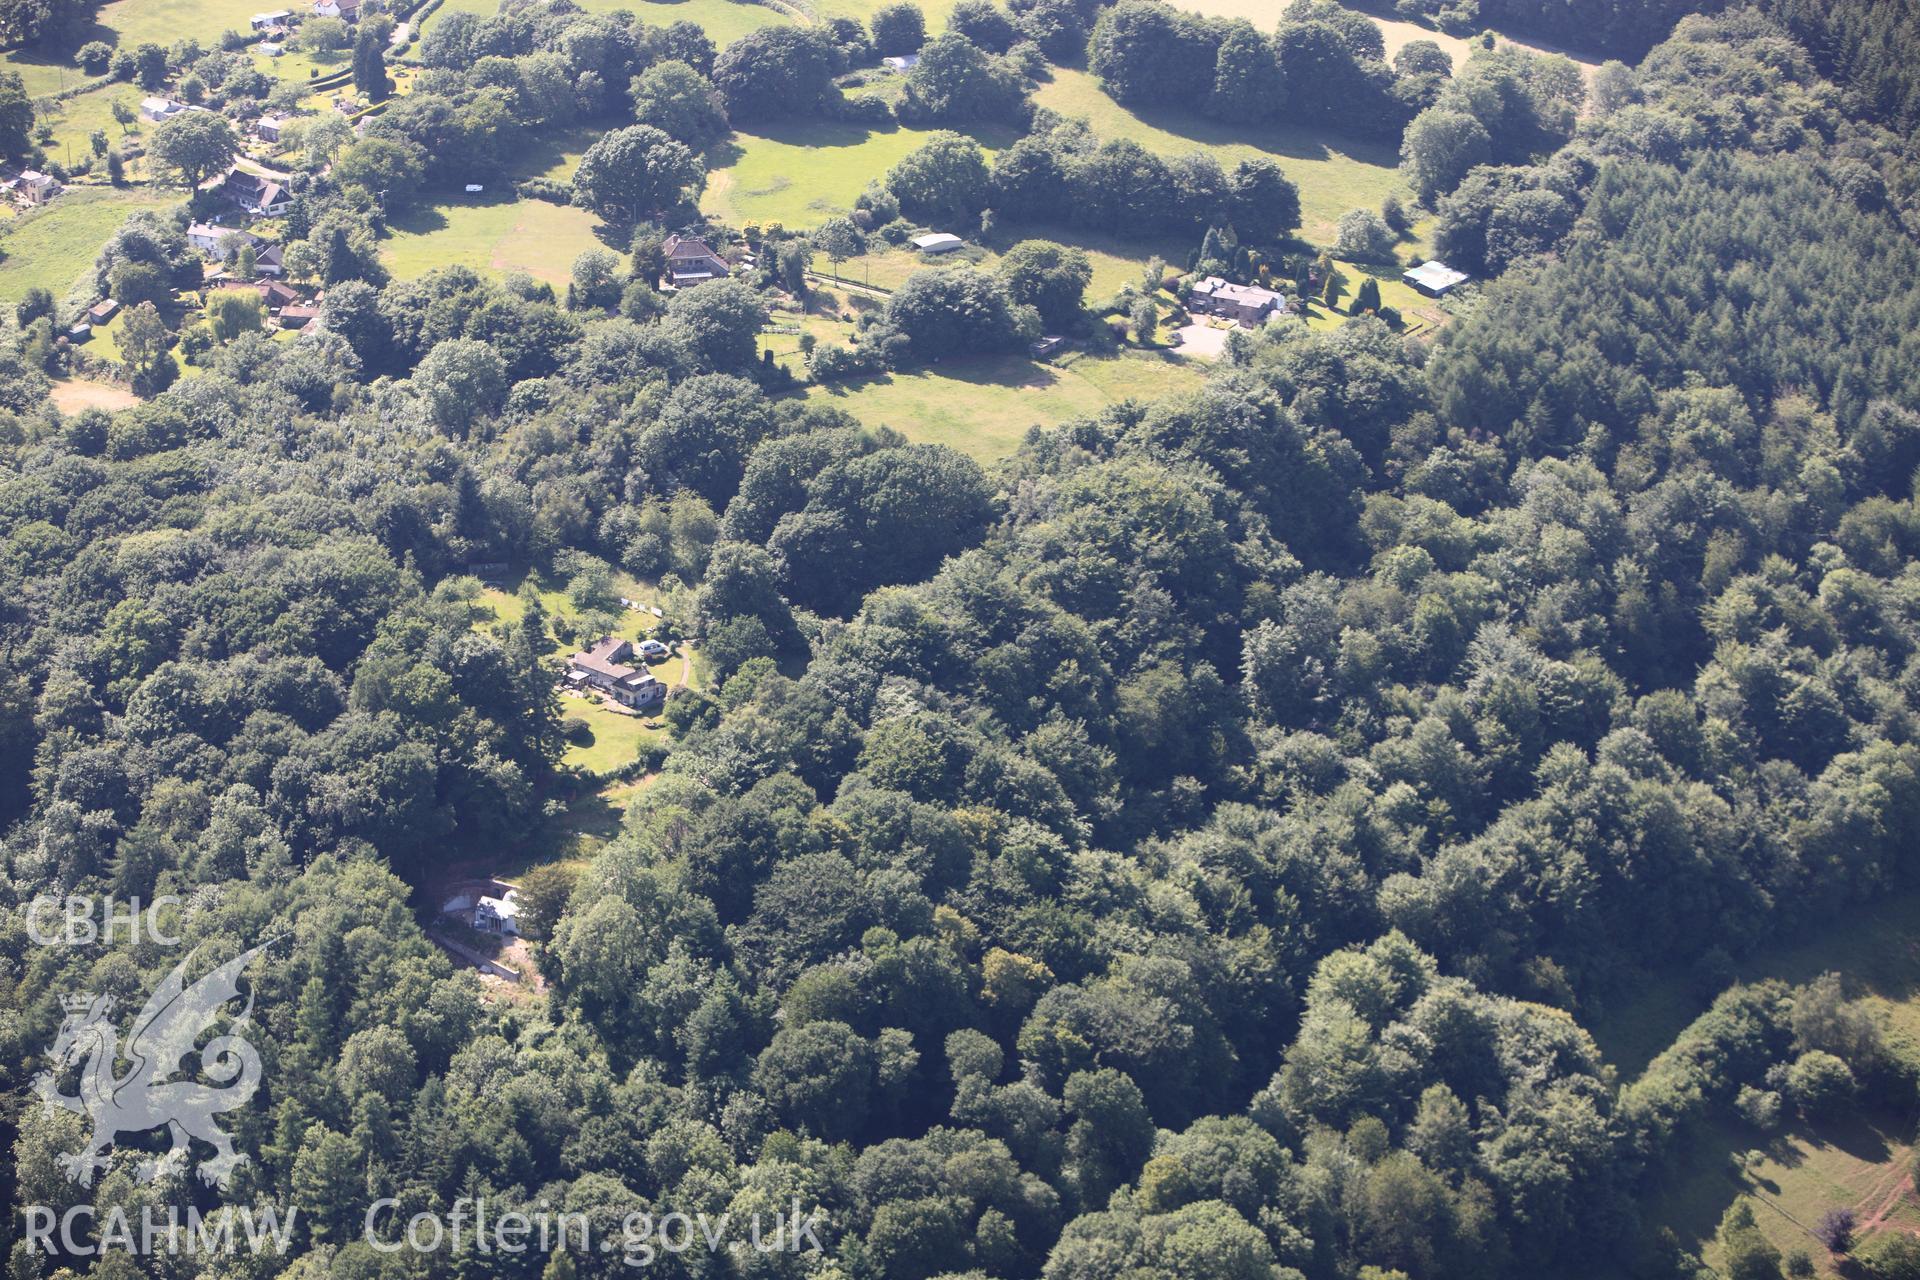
pixel 144 1098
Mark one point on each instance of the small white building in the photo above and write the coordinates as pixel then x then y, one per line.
pixel 903 63
pixel 206 236
pixel 938 242
pixel 160 108
pixel 490 906
pixel 1433 278
pixel 275 20
pixel 498 915
pixel 37 188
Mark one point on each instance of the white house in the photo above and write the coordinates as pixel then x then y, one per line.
pixel 498 915
pixel 346 10
pixel 903 63
pixel 37 188
pixel 490 906
pixel 938 242
pixel 206 236
pixel 270 21
pixel 160 108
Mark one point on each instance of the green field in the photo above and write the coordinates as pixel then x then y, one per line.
pixel 1396 32
pixel 50 247
pixel 491 235
pixel 1334 174
pixel 936 10
pixel 801 174
pixel 299 67
pixel 43 71
pixel 614 738
pixel 164 21
pixel 984 406
pixel 1419 311
pixel 126 23
pixel 554 154
pixel 76 117
pixel 1115 261
pixel 724 21
pixel 1857 1161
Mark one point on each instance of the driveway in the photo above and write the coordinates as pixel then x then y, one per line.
pixel 1202 341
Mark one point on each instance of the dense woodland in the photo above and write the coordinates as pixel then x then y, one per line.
pixel 1191 848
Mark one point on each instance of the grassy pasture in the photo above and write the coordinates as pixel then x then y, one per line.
pixel 724 21
pixel 801 173
pixel 51 247
pixel 164 21
pixel 1857 1161
pixel 75 118
pixel 493 235
pixel 983 406
pixel 1334 174
pixel 937 11
pixel 1396 32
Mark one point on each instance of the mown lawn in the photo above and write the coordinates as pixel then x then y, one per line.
pixel 803 173
pixel 1115 260
pixel 984 406
pixel 613 739
pixel 1420 312
pixel 51 247
pixel 494 235
pixel 298 67
pixel 1335 174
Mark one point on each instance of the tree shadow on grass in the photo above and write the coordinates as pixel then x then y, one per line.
pixel 421 220
pixel 1295 141
pixel 1863 1137
pixel 998 371
pixel 815 133
pixel 847 387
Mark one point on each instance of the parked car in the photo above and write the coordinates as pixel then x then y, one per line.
pixel 652 650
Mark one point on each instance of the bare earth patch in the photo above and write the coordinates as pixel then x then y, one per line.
pixel 72 395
